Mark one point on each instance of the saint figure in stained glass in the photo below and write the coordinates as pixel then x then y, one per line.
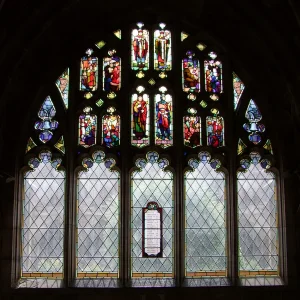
pixel 87 128
pixel 140 44
pixel 215 131
pixel 163 119
pixel 140 120
pixel 191 73
pixel 112 72
pixel 213 74
pixel 162 49
pixel 192 129
pixel 111 128
pixel 89 72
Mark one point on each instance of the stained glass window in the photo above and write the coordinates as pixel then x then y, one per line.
pixel 254 127
pixel 152 183
pixel 140 48
pixel 238 88
pixel 257 218
pixel 162 49
pixel 89 72
pixel 213 74
pixel 205 229
pixel 191 73
pixel 62 84
pixel 140 121
pixel 98 190
pixel 172 231
pixel 111 128
pixel 215 131
pixel 43 218
pixel 30 145
pixel 163 119
pixel 46 125
pixel 112 73
pixel 192 129
pixel 87 128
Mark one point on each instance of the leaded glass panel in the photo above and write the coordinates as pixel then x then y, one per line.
pixel 205 227
pixel 98 219
pixel 152 183
pixel 43 219
pixel 257 221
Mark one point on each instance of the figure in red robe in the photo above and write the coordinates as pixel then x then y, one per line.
pixel 140 49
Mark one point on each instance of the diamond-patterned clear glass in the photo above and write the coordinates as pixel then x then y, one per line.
pixel 152 183
pixel 205 227
pixel 43 222
pixel 257 217
pixel 98 222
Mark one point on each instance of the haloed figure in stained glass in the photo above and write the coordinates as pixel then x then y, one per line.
pixel 215 132
pixel 162 46
pixel 140 117
pixel 163 118
pixel 88 78
pixel 191 73
pixel 140 49
pixel 112 72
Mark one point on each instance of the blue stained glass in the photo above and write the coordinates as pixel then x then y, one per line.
pixel 255 157
pixel 265 164
pixel 56 163
pixel 215 163
pixel 46 113
pixel 141 163
pixel 98 156
pixel 204 157
pixel 34 163
pixel 245 163
pixel 163 163
pixel 47 109
pixel 255 138
pixel 45 156
pixel 109 163
pixel 87 163
pixel 193 163
pixel 45 136
pixel 152 157
pixel 253 114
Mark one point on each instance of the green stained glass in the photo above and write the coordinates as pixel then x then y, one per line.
pixel 203 103
pixel 201 46
pixel 100 44
pixel 184 35
pixel 99 102
pixel 241 147
pixel 268 146
pixel 117 33
pixel 30 145
pixel 60 145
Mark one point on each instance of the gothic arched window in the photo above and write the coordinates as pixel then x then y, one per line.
pixel 141 174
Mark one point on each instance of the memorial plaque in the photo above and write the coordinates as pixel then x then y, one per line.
pixel 152 230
